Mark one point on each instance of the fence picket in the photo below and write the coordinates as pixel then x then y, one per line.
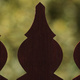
pixel 40 55
pixel 77 58
pixel 3 58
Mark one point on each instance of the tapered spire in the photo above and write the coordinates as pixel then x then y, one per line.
pixel 40 24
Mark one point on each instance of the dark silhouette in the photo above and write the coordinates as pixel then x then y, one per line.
pixel 3 58
pixel 77 58
pixel 39 54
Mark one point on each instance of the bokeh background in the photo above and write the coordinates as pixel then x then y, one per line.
pixel 16 18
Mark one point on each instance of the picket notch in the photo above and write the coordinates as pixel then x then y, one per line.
pixel 39 55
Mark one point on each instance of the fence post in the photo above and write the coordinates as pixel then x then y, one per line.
pixel 40 55
pixel 77 58
pixel 3 58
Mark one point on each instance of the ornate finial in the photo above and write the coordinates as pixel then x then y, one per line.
pixel 39 54
pixel 77 58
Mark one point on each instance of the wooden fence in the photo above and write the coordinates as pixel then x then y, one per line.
pixel 39 55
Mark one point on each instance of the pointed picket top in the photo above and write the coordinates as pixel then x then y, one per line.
pixel 77 58
pixel 40 55
pixel 40 25
pixel 40 5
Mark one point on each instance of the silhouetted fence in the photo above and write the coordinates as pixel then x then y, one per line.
pixel 39 55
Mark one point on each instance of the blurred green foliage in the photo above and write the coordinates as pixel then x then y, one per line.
pixel 16 17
